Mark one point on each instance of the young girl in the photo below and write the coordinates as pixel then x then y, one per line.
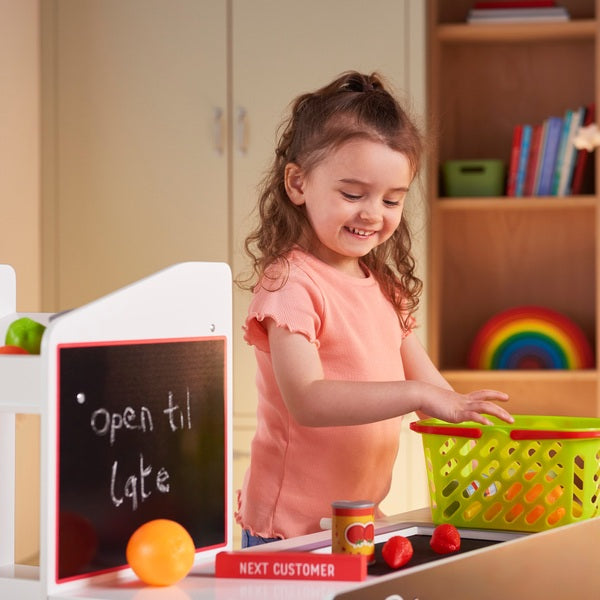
pixel 331 315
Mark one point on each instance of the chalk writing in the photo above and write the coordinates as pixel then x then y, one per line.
pixel 173 411
pixel 137 487
pixel 103 421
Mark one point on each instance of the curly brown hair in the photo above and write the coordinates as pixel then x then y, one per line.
pixel 353 106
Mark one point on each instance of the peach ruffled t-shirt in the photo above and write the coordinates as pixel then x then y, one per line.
pixel 296 472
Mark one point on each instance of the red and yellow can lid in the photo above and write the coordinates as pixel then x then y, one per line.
pixel 352 507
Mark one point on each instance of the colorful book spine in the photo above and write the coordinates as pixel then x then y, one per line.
pixel 568 163
pixel 513 168
pixel 540 157
pixel 558 168
pixel 523 159
pixel 532 163
pixel 550 150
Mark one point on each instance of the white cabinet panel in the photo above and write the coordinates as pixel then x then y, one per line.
pixel 138 170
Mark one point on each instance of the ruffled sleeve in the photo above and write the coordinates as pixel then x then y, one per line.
pixel 297 306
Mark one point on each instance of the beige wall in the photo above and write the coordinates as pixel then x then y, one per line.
pixel 20 148
pixel 20 224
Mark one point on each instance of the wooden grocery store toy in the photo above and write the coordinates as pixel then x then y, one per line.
pixel 134 395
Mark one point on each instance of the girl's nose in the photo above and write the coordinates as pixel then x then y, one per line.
pixel 370 212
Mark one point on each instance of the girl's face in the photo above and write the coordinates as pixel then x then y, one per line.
pixel 354 200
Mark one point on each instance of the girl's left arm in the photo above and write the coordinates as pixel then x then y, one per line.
pixel 418 366
pixel 316 401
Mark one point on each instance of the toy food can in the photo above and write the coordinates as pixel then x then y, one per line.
pixel 353 528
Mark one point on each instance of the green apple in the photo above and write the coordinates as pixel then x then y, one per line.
pixel 25 333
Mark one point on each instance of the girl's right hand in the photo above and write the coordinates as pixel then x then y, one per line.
pixel 453 407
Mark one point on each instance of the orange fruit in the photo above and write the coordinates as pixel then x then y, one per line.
pixel 160 552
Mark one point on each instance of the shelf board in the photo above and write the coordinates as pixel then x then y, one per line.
pixel 550 392
pixel 20 376
pixel 516 32
pixel 20 581
pixel 511 203
pixel 15 571
pixel 547 375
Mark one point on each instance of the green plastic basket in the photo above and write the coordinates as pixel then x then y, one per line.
pixel 535 474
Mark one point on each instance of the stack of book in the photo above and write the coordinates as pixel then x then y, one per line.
pixel 543 158
pixel 515 11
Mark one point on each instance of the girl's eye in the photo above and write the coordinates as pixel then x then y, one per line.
pixel 392 202
pixel 352 197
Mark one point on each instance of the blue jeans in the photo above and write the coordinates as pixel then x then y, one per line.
pixel 255 540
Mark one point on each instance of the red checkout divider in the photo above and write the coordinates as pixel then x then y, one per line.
pixel 291 565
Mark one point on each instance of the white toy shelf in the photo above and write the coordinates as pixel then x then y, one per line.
pixel 182 306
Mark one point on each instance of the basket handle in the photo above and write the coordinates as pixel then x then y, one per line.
pixel 468 432
pixel 541 434
pixel 515 434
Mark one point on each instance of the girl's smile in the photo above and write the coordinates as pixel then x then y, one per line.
pixel 359 232
pixel 353 198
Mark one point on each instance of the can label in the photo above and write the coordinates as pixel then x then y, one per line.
pixel 353 528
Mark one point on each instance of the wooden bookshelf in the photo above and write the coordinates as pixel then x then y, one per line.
pixel 504 32
pixel 489 254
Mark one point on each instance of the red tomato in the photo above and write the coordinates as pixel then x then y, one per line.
pixel 445 539
pixel 397 551
pixel 355 533
pixel 12 350
pixel 160 552
pixel 78 542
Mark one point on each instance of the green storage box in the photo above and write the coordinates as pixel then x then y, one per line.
pixel 473 177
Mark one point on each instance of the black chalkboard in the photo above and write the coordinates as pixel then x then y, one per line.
pixel 142 435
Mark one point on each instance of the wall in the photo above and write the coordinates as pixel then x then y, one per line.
pixel 20 148
pixel 20 240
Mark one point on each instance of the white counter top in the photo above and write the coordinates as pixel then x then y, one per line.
pixel 553 564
